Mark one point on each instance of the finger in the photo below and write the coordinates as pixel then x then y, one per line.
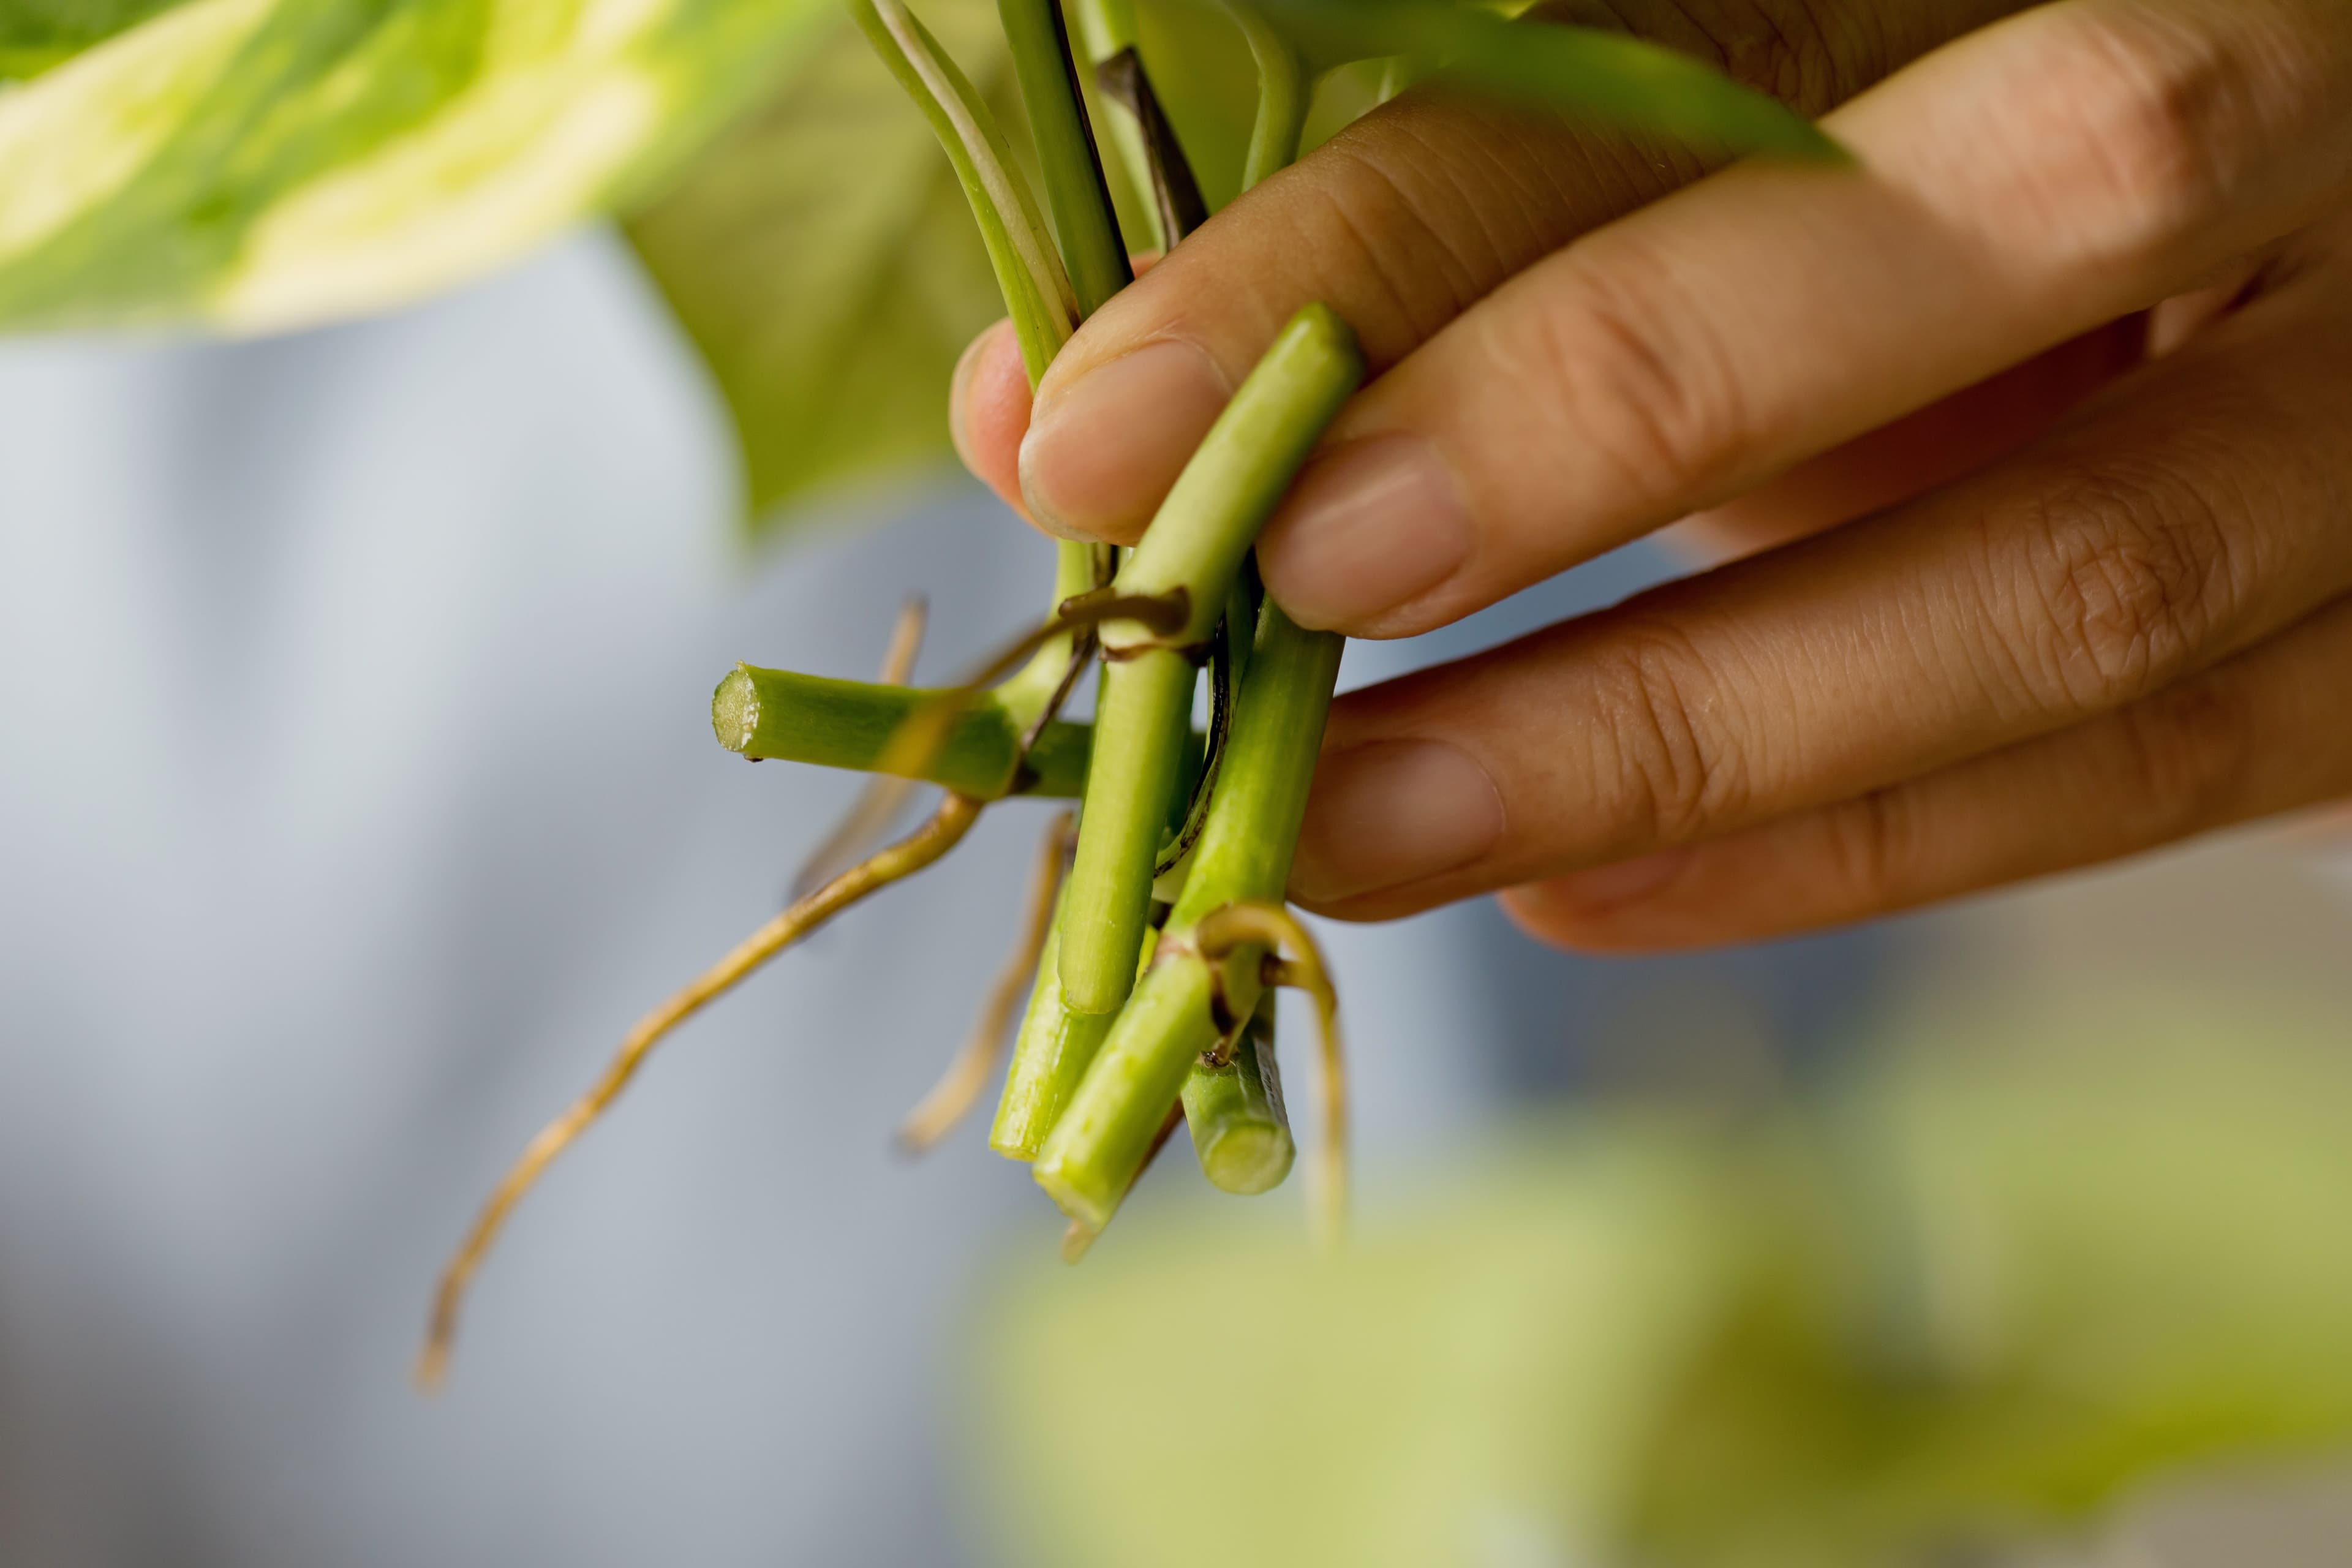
pixel 2178 521
pixel 1399 223
pixel 988 407
pixel 1908 456
pixel 2067 167
pixel 1911 456
pixel 988 403
pixel 2257 736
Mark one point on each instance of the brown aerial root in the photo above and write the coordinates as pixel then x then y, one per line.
pixel 879 801
pixel 959 1089
pixel 924 733
pixel 941 833
pixel 1077 1237
pixel 1276 929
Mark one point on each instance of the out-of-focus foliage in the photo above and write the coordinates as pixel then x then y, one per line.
pixel 265 164
pixel 37 34
pixel 821 258
pixel 1977 1294
pixel 255 164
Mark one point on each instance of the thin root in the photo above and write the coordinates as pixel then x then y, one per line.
pixel 1076 1237
pixel 945 828
pixel 1274 927
pixel 958 1090
pixel 878 803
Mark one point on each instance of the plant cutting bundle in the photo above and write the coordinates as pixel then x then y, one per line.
pixel 1157 930
pixel 266 163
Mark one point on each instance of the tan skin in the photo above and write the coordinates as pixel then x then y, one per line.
pixel 2089 592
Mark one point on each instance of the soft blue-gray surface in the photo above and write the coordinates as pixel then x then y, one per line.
pixel 356 792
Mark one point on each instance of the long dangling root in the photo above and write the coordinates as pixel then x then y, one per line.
pixel 853 838
pixel 1274 928
pixel 959 1087
pixel 924 733
pixel 1077 1239
pixel 906 641
pixel 941 833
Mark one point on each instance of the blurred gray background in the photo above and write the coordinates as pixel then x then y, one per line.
pixel 357 791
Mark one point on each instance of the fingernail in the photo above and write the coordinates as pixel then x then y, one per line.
pixel 1607 889
pixel 1371 527
pixel 1102 451
pixel 1391 813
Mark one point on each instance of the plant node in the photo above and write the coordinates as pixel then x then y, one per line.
pixel 926 731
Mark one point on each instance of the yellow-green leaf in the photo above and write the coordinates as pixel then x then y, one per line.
pixel 256 164
pixel 822 258
pixel 36 35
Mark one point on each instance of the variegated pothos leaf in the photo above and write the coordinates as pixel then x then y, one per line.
pixel 255 164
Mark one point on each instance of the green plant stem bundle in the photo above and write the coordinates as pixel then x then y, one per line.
pixel 1155 959
pixel 1243 856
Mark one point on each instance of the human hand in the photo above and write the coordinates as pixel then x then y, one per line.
pixel 2027 649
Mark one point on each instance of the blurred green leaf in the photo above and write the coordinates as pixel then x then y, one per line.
pixel 1474 1376
pixel 822 258
pixel 1975 1296
pixel 1202 75
pixel 264 164
pixel 37 35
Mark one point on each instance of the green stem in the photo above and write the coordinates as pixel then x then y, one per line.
pixel 1034 687
pixel 1240 1129
pixel 1038 292
pixel 1029 274
pixel 1050 1057
pixel 1094 253
pixel 1094 1152
pixel 780 713
pixel 1239 473
pixel 1092 250
pixel 1253 828
pixel 1142 717
pixel 1285 93
pixel 1194 546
